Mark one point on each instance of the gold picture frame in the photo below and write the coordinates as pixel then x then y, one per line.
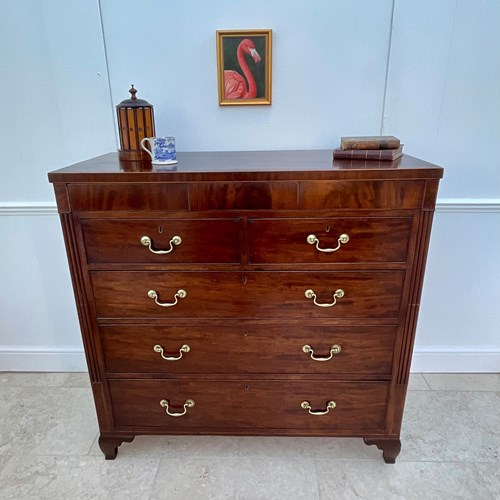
pixel 244 67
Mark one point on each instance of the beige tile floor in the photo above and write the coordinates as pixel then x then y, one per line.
pixel 48 450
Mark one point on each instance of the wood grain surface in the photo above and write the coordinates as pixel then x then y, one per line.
pixel 260 404
pixel 247 295
pixel 248 348
pixel 245 264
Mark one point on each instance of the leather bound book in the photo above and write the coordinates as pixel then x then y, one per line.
pixel 368 154
pixel 370 142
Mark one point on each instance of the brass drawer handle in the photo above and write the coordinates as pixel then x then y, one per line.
pixel 337 295
pixel 335 349
pixel 182 350
pixel 307 406
pixel 313 239
pixel 146 241
pixel 188 404
pixel 181 294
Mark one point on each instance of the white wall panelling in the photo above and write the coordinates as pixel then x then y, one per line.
pixel 333 75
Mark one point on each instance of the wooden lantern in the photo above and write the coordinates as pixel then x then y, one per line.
pixel 135 121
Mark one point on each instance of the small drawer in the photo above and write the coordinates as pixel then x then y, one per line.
pixel 250 348
pixel 243 196
pixel 232 294
pixel 110 196
pixel 250 404
pixel 162 241
pixel 361 194
pixel 326 241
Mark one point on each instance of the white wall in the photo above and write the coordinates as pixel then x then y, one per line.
pixel 39 326
pixel 54 87
pixel 443 92
pixel 56 110
pixel 443 98
pixel 328 69
pixel 329 79
pixel 459 324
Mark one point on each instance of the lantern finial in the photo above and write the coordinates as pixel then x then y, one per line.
pixel 133 92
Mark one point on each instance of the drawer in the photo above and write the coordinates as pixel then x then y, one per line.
pixel 267 195
pixel 251 404
pixel 201 241
pixel 136 294
pixel 113 196
pixel 248 349
pixel 368 240
pixel 362 194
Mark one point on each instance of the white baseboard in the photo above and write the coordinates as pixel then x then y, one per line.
pixel 451 359
pixel 42 359
pixel 425 359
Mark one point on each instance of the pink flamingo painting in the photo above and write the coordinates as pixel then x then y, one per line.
pixel 235 85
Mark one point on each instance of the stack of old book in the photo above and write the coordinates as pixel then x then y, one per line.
pixel 379 147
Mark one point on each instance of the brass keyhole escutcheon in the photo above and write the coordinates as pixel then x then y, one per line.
pixel 244 280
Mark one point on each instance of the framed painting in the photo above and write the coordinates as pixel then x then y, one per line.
pixel 244 67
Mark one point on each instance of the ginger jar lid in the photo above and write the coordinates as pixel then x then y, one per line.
pixel 133 102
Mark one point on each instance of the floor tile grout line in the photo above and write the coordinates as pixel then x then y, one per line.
pixel 155 477
pixel 68 375
pixel 92 445
pixel 312 459
pixel 318 489
pixel 481 391
pixel 426 382
pixel 402 461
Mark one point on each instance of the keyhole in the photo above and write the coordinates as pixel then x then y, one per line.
pixel 244 280
pixel 160 229
pixel 245 332
pixel 247 387
pixel 327 228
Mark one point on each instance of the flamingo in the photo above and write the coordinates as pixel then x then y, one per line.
pixel 235 86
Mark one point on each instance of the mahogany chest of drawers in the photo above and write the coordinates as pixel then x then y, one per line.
pixel 248 293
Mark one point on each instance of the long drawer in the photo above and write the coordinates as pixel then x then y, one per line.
pixel 328 240
pixel 139 294
pixel 256 404
pixel 248 349
pixel 147 240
